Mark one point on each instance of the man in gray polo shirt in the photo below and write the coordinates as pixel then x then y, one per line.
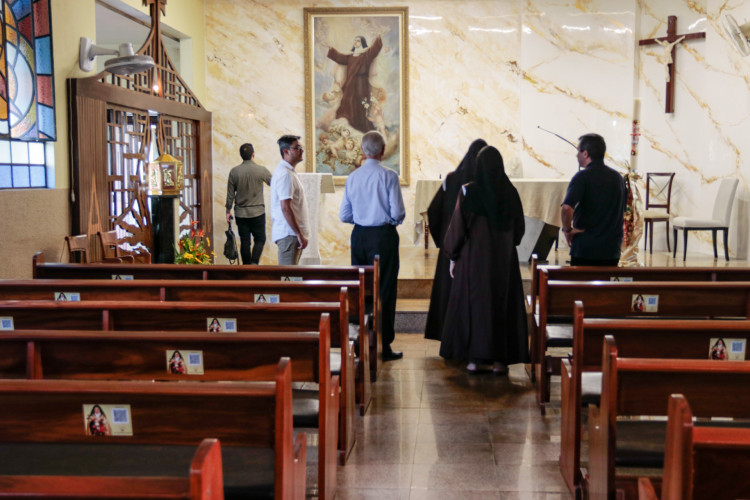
pixel 245 192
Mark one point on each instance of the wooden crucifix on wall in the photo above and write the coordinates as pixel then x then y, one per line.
pixel 669 43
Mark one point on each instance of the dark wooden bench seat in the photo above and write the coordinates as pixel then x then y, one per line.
pixel 695 300
pixel 44 432
pixel 635 388
pixel 99 355
pixel 213 291
pixel 637 338
pixel 192 316
pixel 368 276
pixel 204 481
pixel 707 461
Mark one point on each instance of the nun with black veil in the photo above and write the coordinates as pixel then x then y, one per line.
pixel 485 320
pixel 439 216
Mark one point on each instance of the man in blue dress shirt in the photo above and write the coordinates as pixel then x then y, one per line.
pixel 373 203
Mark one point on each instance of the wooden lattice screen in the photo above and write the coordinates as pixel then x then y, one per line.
pixel 114 121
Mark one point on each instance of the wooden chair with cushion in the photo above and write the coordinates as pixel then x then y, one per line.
pixel 658 200
pixel 78 248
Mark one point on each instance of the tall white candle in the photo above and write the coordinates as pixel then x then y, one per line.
pixel 634 138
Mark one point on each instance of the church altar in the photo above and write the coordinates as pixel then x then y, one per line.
pixel 541 199
pixel 316 187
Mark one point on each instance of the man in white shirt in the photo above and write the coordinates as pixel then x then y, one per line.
pixel 290 228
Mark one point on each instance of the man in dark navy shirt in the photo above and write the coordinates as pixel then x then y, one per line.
pixel 594 206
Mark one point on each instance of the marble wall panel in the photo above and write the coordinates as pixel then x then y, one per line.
pixel 577 78
pixel 702 141
pixel 499 70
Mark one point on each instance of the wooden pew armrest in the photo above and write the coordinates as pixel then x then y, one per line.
pixel 597 475
pixel 300 466
pixel 646 489
pixel 570 428
pixel 206 471
pixel 328 433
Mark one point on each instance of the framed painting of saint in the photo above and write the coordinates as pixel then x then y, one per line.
pixel 356 80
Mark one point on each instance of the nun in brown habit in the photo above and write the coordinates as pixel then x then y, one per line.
pixel 439 216
pixel 485 320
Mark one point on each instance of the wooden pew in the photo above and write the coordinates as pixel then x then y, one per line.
pixel 204 482
pixel 635 387
pixel 192 316
pixel 213 291
pixel 167 420
pixel 97 355
pixel 700 462
pixel 637 338
pixel 368 276
pixel 594 273
pixel 697 300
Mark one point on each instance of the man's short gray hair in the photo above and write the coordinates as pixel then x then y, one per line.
pixel 372 143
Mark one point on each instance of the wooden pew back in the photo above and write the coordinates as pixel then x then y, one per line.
pixel 255 414
pixel 641 387
pixel 675 299
pixel 541 275
pixel 203 482
pixel 593 273
pixel 636 338
pixel 701 462
pixel 192 316
pixel 239 357
pixel 698 300
pixel 367 276
pixel 212 291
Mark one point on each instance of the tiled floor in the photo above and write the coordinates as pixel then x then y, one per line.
pixel 436 432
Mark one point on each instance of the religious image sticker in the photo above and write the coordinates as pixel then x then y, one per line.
pixel 266 298
pixel 6 323
pixel 644 303
pixel 217 325
pixel 722 349
pixel 107 420
pixel 182 362
pixel 67 297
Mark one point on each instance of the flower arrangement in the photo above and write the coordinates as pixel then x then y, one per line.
pixel 193 247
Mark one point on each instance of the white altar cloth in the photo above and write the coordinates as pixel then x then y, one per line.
pixel 541 199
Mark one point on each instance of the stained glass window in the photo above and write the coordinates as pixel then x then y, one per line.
pixel 27 101
pixel 27 98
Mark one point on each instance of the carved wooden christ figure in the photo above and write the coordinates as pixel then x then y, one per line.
pixel 669 43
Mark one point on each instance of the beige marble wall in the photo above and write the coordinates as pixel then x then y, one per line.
pixel 499 70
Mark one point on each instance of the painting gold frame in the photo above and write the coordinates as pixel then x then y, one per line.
pixel 339 109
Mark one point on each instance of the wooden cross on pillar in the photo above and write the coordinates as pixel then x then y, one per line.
pixel 669 43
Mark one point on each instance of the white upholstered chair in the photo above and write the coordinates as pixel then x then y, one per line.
pixel 718 221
